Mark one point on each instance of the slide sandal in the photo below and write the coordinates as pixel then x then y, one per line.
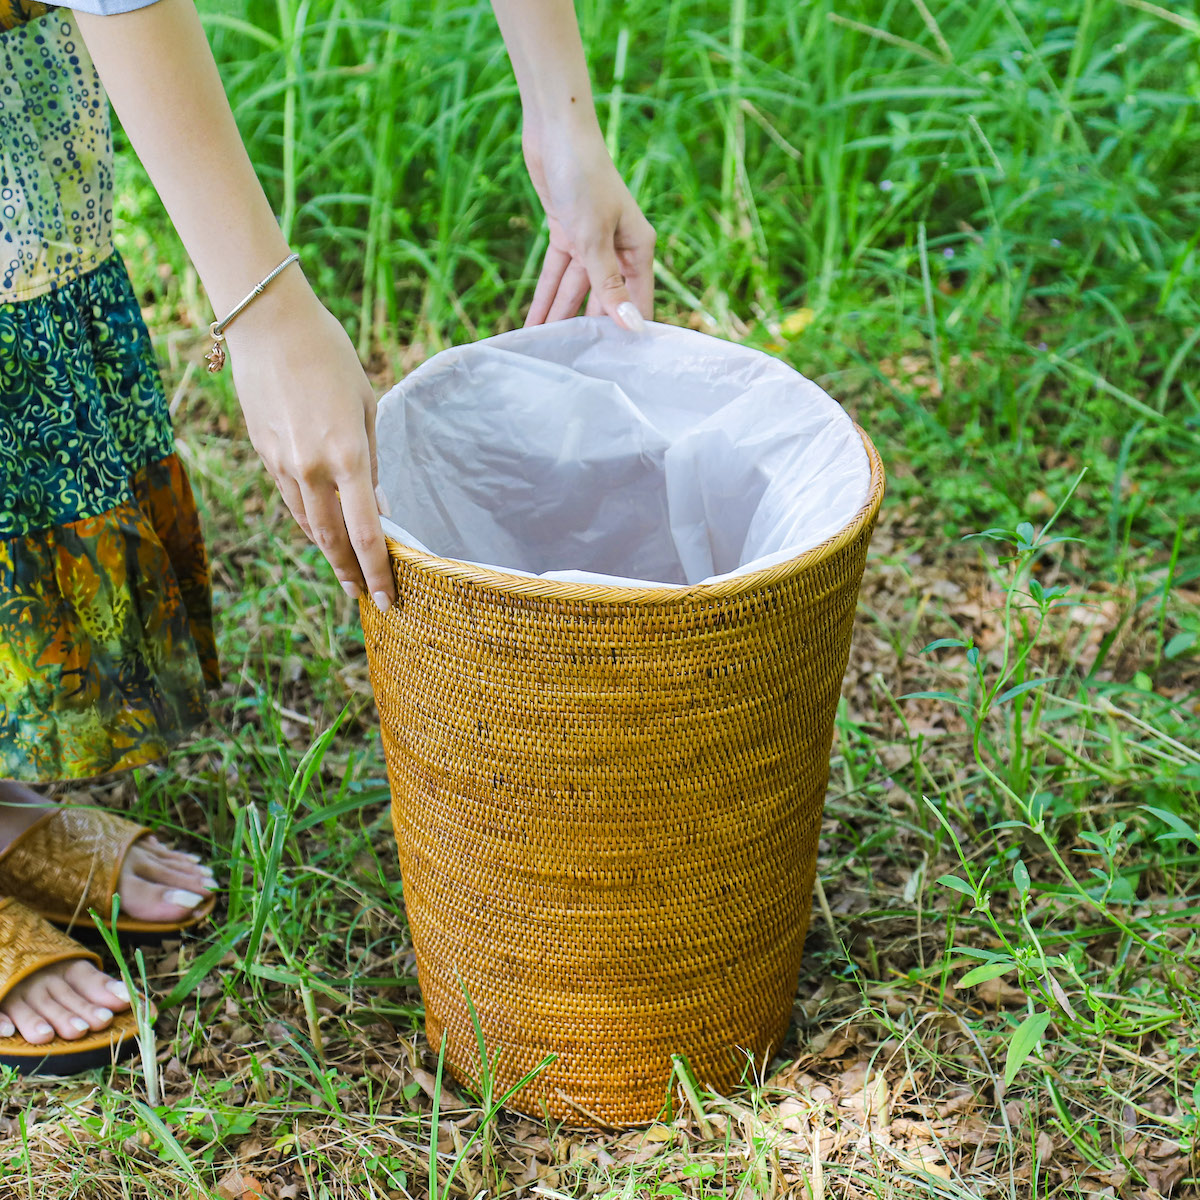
pixel 27 944
pixel 69 861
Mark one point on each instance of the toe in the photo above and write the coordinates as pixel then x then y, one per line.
pixel 98 989
pixel 84 1016
pixel 161 886
pixel 148 901
pixel 181 875
pixel 30 1023
pixel 63 1021
pixel 169 852
pixel 171 870
pixel 170 855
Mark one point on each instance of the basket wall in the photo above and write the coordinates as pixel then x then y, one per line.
pixel 607 803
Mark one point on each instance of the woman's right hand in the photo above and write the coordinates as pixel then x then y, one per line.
pixel 310 413
pixel 601 245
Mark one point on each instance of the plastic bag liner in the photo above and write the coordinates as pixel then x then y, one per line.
pixel 579 451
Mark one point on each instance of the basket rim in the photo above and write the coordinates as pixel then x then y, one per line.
pixel 535 587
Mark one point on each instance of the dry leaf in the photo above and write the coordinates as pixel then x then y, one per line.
pixel 998 994
pixel 233 1185
pixel 924 1160
pixel 428 1084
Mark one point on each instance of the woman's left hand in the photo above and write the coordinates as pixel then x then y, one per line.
pixel 600 242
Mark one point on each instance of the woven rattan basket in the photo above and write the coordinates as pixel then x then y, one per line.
pixel 607 802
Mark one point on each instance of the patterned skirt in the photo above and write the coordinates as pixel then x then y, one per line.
pixel 106 636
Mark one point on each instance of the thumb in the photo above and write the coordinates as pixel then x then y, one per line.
pixel 609 288
pixel 380 499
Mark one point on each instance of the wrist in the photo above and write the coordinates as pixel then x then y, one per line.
pixel 559 141
pixel 561 120
pixel 287 299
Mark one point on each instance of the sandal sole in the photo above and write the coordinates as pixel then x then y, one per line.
pixel 129 933
pixel 61 1057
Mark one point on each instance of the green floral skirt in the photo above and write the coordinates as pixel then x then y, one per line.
pixel 106 638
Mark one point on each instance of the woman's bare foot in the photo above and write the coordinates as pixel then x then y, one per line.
pixel 68 1000
pixel 156 884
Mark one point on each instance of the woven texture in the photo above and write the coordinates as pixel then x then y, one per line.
pixel 69 861
pixel 28 943
pixel 607 803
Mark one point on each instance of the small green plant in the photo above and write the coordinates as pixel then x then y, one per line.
pixel 490 1102
pixel 1037 788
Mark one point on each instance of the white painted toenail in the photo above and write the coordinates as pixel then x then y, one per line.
pixel 41 1029
pixel 80 1024
pixel 7 1028
pixel 192 857
pixel 118 989
pixel 103 1015
pixel 183 899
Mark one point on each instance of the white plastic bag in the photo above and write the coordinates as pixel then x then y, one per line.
pixel 579 451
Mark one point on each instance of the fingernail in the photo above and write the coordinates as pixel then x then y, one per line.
pixel 80 1024
pixel 119 990
pixel 351 589
pixel 7 1028
pixel 631 317
pixel 381 601
pixel 103 1015
pixel 182 898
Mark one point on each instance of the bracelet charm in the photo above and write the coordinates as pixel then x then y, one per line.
pixel 216 356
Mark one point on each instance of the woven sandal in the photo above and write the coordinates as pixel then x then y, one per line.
pixel 27 944
pixel 69 861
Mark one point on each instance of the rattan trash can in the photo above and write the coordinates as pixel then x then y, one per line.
pixel 607 802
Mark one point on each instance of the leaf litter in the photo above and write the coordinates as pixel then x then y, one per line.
pixel 891 1081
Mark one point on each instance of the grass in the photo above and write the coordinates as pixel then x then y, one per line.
pixel 978 226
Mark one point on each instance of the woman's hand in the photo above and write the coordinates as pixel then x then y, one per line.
pixel 599 240
pixel 308 405
pixel 310 412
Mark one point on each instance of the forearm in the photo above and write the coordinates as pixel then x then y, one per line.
pixel 599 239
pixel 542 37
pixel 309 409
pixel 159 73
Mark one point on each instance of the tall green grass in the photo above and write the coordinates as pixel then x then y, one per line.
pixel 1008 190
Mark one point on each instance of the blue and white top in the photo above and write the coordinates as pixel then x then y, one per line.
pixel 55 148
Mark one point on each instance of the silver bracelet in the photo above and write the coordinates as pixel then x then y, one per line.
pixel 216 356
